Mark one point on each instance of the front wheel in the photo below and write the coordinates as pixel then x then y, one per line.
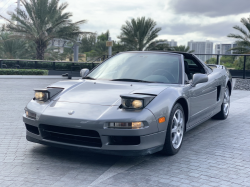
pixel 223 114
pixel 175 131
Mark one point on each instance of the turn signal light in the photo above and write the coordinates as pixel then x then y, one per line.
pixel 162 119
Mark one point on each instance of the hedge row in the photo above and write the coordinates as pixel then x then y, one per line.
pixel 23 72
pixel 45 65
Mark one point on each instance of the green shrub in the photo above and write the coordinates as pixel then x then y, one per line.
pixel 23 72
pixel 47 65
pixel 239 63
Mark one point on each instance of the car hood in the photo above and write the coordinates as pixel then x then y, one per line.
pixel 107 92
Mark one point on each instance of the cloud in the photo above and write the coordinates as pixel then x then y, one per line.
pixel 4 9
pixel 182 20
pixel 211 8
pixel 218 29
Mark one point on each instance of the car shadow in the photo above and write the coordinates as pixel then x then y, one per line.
pixel 77 157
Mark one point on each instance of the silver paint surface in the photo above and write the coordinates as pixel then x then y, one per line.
pixel 96 102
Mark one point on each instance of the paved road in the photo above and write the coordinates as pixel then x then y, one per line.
pixel 217 153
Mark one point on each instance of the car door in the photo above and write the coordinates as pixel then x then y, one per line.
pixel 202 97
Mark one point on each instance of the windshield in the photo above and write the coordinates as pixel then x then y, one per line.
pixel 147 67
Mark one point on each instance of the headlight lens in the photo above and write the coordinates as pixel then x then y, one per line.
pixel 137 103
pixel 126 125
pixel 41 96
pixel 132 103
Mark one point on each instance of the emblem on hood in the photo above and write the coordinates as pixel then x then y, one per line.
pixel 71 112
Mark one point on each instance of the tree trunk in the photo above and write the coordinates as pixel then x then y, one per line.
pixel 40 50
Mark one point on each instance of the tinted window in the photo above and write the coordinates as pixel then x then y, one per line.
pixel 194 66
pixel 153 67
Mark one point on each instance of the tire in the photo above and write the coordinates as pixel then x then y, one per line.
pixel 223 114
pixel 175 131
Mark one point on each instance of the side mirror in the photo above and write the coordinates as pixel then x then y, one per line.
pixel 199 78
pixel 84 72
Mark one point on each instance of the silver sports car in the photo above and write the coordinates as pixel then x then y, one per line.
pixel 134 103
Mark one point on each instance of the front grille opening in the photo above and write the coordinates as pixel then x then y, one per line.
pixel 72 131
pixel 124 140
pixel 32 129
pixel 71 135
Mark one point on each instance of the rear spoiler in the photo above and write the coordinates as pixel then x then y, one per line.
pixel 216 66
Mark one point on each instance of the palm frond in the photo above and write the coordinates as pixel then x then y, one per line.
pixel 139 33
pixel 243 39
pixel 42 21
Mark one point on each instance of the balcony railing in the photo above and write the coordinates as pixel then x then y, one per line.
pixel 73 68
pixel 54 67
pixel 234 74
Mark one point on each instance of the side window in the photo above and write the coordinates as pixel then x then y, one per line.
pixel 190 62
pixel 194 66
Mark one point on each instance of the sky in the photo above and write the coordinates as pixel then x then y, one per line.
pixel 181 20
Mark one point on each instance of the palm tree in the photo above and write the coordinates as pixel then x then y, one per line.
pixel 182 48
pixel 243 39
pixel 104 36
pixel 15 48
pixel 158 46
pixel 138 34
pixel 88 42
pixel 41 21
pixel 100 46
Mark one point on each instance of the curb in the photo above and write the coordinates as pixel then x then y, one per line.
pixel 34 77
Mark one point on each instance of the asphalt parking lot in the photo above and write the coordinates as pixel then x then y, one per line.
pixel 217 153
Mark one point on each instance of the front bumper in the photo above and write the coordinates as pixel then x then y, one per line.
pixel 148 144
pixel 127 152
pixel 150 139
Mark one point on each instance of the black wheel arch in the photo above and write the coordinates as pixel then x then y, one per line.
pixel 183 102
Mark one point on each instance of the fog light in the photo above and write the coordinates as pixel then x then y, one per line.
pixel 30 114
pixel 126 125
pixel 137 125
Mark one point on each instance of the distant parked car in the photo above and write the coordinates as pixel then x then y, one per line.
pixel 134 103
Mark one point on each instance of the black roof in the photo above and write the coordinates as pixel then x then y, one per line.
pixel 175 52
pixel 178 52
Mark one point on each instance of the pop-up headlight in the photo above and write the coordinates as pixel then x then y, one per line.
pixel 42 95
pixel 132 103
pixel 135 101
pixel 46 94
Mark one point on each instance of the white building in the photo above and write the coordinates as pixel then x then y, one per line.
pixel 202 47
pixel 171 43
pixel 224 48
pixel 59 44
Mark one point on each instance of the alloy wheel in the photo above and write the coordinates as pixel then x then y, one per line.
pixel 226 102
pixel 177 128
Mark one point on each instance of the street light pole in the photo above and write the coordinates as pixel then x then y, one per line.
pixel 76 48
pixel 76 52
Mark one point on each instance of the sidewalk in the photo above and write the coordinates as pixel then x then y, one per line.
pixel 216 153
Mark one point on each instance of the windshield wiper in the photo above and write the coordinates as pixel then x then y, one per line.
pixel 131 80
pixel 88 78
